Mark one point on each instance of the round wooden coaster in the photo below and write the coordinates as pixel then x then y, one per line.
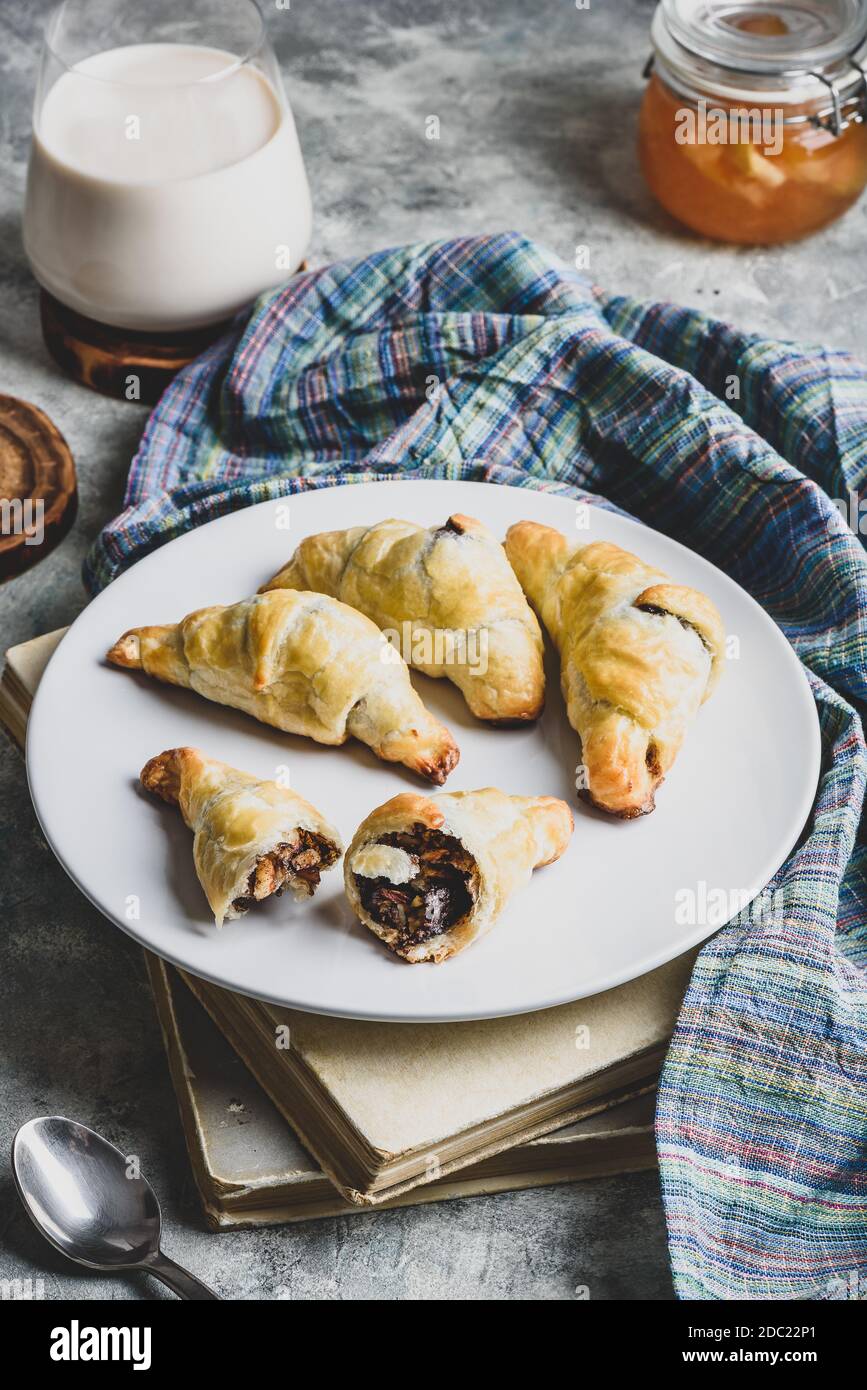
pixel 38 493
pixel 119 362
pixel 115 361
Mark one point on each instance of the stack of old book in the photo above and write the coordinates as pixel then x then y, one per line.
pixel 289 1115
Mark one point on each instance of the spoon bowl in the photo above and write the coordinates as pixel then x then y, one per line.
pixel 78 1189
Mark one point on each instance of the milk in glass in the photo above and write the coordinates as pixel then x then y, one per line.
pixel 166 187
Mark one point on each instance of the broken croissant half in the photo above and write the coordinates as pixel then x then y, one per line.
pixel 305 664
pixel 429 875
pixel 450 597
pixel 252 839
pixel 638 656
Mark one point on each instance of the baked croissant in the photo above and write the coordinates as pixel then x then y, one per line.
pixel 252 838
pixel 304 663
pixel 638 656
pixel 429 875
pixel 449 597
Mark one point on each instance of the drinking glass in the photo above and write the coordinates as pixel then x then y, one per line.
pixel 166 186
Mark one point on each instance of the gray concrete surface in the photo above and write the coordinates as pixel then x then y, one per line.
pixel 537 105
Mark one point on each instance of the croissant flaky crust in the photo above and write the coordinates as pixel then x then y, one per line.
pixel 638 657
pixel 251 838
pixel 304 663
pixel 429 875
pixel 450 597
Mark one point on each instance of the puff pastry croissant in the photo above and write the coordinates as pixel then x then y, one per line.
pixel 251 838
pixel 447 593
pixel 429 875
pixel 638 656
pixel 304 663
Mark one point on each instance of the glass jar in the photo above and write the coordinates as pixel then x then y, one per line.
pixel 753 126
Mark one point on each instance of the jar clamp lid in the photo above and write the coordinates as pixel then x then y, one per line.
pixel 799 53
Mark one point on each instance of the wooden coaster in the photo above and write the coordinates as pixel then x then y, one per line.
pixel 38 493
pixel 115 361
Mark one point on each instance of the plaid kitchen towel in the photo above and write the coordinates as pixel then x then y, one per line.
pixel 484 358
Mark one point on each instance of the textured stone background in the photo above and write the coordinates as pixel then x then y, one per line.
pixel 537 104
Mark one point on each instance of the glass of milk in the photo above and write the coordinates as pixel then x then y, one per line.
pixel 166 187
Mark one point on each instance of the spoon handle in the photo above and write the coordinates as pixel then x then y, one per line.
pixel 178 1279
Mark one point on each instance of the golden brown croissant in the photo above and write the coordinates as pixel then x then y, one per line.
pixel 251 838
pixel 429 875
pixel 304 663
pixel 446 594
pixel 638 656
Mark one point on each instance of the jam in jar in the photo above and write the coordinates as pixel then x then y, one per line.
pixel 753 126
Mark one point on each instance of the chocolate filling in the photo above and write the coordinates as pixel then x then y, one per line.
pixel 297 864
pixel 450 527
pixel 651 759
pixel 439 895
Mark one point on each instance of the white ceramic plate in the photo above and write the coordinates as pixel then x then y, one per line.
pixel 611 909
